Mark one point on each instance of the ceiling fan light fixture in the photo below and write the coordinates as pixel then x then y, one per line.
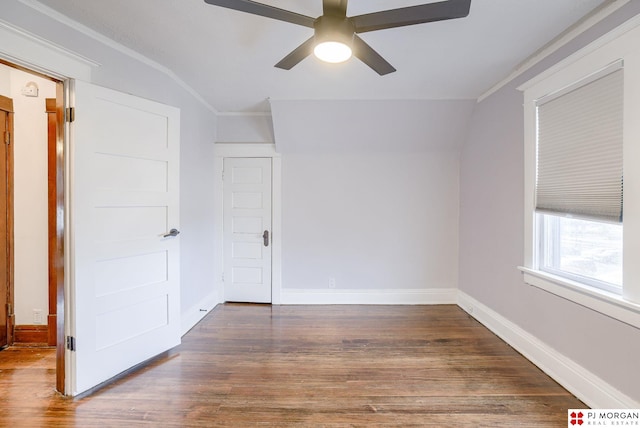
pixel 332 51
pixel 333 39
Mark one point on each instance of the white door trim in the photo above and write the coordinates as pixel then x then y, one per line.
pixel 245 150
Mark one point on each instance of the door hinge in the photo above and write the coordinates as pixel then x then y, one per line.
pixel 9 310
pixel 7 137
pixel 71 343
pixel 70 114
pixel 223 277
pixel 223 175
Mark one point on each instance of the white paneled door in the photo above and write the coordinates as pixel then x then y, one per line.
pixel 247 230
pixel 124 196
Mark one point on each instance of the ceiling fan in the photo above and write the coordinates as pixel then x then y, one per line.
pixel 335 36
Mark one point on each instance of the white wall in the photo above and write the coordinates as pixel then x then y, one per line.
pixel 369 195
pixel 120 70
pixel 370 220
pixel 5 80
pixel 30 197
pixel 371 126
pixel 491 242
pixel 245 128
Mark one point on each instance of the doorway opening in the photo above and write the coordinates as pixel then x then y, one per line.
pixel 33 212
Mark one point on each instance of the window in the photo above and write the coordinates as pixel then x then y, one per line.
pixel 582 181
pixel 588 252
pixel 579 148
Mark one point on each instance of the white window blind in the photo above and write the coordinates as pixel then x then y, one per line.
pixel 579 149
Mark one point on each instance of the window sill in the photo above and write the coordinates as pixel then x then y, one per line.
pixel 610 304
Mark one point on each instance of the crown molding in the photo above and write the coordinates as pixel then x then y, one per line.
pixel 65 20
pixel 562 39
pixel 29 50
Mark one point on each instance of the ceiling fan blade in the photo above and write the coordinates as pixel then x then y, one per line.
pixel 411 15
pixel 297 55
pixel 334 7
pixel 366 54
pixel 261 9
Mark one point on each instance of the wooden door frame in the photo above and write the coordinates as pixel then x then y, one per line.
pixel 52 136
pixel 6 104
pixel 56 208
pixel 57 254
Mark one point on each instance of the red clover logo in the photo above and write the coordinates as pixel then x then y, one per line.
pixel 576 418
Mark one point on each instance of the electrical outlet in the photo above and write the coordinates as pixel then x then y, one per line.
pixel 37 316
pixel 332 282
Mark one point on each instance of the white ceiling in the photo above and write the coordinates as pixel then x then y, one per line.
pixel 228 56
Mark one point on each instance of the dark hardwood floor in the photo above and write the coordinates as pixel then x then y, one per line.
pixel 249 365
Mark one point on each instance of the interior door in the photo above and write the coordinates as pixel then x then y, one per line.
pixel 124 190
pixel 247 229
pixel 6 227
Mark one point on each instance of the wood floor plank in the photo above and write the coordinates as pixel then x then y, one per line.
pixel 248 365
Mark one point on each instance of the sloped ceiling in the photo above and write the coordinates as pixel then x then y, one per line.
pixel 228 56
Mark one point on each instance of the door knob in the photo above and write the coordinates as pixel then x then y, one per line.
pixel 172 232
pixel 265 238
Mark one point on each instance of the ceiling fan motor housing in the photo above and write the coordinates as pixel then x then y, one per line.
pixel 329 28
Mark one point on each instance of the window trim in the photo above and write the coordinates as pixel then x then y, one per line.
pixel 604 302
pixel 620 44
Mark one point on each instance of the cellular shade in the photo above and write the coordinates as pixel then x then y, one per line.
pixel 579 149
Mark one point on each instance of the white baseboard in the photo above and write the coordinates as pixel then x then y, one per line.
pixel 198 311
pixel 434 296
pixel 586 386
